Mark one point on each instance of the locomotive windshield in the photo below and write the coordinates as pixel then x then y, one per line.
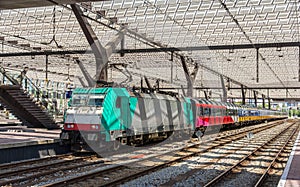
pixel 96 100
pixel 79 100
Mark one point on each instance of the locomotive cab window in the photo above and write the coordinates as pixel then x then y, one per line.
pixel 96 100
pixel 79 100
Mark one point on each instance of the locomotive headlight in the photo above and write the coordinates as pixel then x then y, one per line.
pixel 70 126
pixel 99 111
pixel 95 127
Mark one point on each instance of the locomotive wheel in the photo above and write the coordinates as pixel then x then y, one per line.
pixel 199 133
pixel 116 145
pixel 202 129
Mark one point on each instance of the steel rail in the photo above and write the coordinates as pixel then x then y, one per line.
pixel 8 165
pixel 225 173
pixel 22 170
pixel 264 175
pixel 154 168
pixel 47 172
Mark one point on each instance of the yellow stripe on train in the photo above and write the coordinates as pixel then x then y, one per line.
pixel 254 118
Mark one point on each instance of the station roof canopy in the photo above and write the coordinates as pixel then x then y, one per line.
pixel 162 24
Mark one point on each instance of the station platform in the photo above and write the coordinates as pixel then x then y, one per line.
pixel 16 136
pixel 20 142
pixel 291 174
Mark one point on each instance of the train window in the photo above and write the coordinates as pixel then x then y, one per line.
pixel 218 112
pixel 206 111
pixel 212 111
pixel 95 101
pixel 241 112
pixel 230 112
pixel 79 100
pixel 223 111
pixel 200 111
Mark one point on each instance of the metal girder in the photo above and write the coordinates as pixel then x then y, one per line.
pixel 121 67
pixel 14 4
pixel 82 82
pixel 110 48
pixel 101 53
pixel 243 95
pixel 47 62
pixel 43 53
pixel 162 49
pixel 193 75
pixel 224 98
pixel 205 95
pixel 87 76
pixel 255 98
pixel 257 65
pixel 148 83
pixel 263 101
pixel 187 76
pixel 213 47
pixel 238 88
pixel 97 48
pixel 299 64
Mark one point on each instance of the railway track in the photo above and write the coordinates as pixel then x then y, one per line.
pixel 25 163
pixel 118 174
pixel 275 146
pixel 90 170
pixel 222 161
pixel 18 173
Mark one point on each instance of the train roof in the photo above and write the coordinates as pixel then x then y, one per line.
pixel 119 91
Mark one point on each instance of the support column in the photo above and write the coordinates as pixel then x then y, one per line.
pixel 122 46
pixel 269 102
pixel 257 65
pixel 85 73
pixel 224 98
pixel 187 76
pixel 148 84
pixel 82 82
pixel 205 94
pixel 255 98
pixel 101 53
pixel 172 59
pixel 97 48
pixel 299 64
pixel 243 95
pixel 47 68
pixel 263 101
